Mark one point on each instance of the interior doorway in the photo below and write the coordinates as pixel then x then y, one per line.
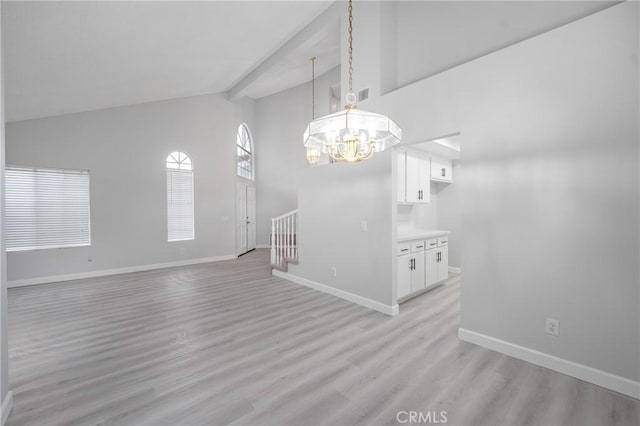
pixel 245 218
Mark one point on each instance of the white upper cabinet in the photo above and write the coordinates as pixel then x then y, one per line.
pixel 402 177
pixel 413 178
pixel 441 170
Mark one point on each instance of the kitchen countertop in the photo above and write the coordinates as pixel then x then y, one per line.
pixel 418 234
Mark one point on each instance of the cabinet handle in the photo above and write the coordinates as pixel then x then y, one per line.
pixel 404 249
pixel 444 172
pixel 413 264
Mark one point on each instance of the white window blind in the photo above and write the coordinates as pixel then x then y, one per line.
pixel 180 205
pixel 46 208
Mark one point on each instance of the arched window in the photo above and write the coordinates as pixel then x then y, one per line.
pixel 179 160
pixel 244 153
pixel 180 224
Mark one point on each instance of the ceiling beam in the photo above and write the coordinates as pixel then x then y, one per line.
pixel 308 36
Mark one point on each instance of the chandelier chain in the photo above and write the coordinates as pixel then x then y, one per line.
pixel 350 46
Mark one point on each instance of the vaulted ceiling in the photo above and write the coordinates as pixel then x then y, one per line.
pixel 63 57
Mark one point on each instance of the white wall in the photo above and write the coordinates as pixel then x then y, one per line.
pixel 419 216
pixel 125 150
pixel 455 32
pixel 550 217
pixel 550 187
pixel 333 201
pixel 280 122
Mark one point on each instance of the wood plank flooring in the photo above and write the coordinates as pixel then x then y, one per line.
pixel 226 343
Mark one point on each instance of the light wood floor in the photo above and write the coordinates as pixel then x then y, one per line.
pixel 226 343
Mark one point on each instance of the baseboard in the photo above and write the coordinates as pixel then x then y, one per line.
pixel 454 270
pixel 115 271
pixel 7 405
pixel 354 298
pixel 579 371
pixel 262 246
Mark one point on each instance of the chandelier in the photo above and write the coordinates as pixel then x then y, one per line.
pixel 351 135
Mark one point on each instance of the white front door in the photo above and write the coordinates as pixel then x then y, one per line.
pixel 245 218
pixel 251 218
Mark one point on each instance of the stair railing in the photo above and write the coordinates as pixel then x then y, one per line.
pixel 284 238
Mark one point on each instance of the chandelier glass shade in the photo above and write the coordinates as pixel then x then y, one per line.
pixel 351 135
pixel 313 156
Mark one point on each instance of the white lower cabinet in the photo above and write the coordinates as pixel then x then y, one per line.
pixel 443 263
pixel 417 274
pixel 421 265
pixel 431 267
pixel 443 258
pixel 404 275
pixel 410 274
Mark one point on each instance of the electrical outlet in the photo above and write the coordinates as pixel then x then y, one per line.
pixel 553 326
pixel 334 271
pixel 364 226
pixel 89 259
pixel 182 251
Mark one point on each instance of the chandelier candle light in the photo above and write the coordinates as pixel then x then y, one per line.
pixel 351 135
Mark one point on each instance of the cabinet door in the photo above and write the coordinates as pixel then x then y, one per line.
pixel 417 274
pixel 425 180
pixel 402 177
pixel 443 264
pixel 431 267
pixel 413 179
pixel 404 276
pixel 418 178
pixel 441 170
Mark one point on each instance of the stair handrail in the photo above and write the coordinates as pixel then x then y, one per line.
pixel 282 216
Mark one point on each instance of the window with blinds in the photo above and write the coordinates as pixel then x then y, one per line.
pixel 46 208
pixel 180 223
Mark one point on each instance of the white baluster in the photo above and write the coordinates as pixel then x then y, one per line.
pixel 271 242
pixel 280 242
pixel 289 236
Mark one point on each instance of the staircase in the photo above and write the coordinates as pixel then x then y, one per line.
pixel 284 244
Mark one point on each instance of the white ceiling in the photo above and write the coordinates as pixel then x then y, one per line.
pixel 63 57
